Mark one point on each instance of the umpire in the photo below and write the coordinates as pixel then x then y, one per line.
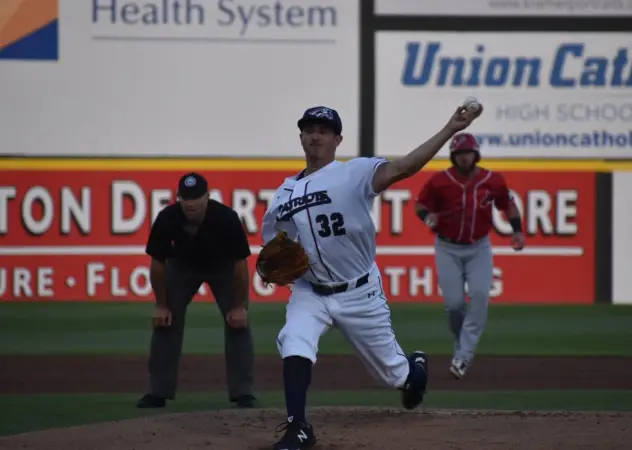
pixel 193 241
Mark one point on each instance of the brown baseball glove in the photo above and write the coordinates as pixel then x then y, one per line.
pixel 282 260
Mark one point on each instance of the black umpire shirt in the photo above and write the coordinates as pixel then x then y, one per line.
pixel 220 239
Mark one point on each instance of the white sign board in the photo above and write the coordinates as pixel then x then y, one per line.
pixel 546 95
pixel 184 78
pixel 621 237
pixel 570 8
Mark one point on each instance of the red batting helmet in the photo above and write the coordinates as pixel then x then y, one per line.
pixel 465 142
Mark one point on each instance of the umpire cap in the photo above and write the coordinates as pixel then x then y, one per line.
pixel 323 115
pixel 191 186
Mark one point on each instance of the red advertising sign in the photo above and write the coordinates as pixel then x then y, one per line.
pixel 80 235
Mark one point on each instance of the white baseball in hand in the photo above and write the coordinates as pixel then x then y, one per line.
pixel 472 104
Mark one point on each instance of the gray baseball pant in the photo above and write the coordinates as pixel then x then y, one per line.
pixel 166 342
pixel 456 265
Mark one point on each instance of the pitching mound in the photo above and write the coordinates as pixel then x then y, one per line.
pixel 346 428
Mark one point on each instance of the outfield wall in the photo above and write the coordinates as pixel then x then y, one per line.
pixel 621 237
pixel 229 79
pixel 76 229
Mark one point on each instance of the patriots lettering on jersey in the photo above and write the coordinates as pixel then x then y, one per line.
pixel 298 204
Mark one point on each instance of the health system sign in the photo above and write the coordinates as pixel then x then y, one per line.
pixel 181 78
pixel 546 95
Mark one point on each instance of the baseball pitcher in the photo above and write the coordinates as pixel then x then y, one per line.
pixel 457 205
pixel 319 238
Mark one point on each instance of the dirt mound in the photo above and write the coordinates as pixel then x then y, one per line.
pixel 346 428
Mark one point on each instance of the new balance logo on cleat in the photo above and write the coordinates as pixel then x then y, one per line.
pixel 302 436
pixel 298 436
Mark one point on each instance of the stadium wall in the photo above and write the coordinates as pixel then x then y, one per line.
pixel 108 102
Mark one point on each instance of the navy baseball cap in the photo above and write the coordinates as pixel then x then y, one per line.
pixel 321 114
pixel 191 186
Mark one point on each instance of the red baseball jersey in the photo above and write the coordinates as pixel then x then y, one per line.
pixel 463 205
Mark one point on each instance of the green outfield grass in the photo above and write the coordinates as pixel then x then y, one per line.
pixel 19 414
pixel 123 328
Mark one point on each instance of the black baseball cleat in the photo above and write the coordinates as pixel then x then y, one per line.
pixel 245 401
pixel 415 388
pixel 298 436
pixel 151 401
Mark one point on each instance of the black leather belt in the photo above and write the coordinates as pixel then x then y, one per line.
pixel 452 241
pixel 323 289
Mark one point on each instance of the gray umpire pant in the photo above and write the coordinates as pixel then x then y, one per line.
pixel 166 342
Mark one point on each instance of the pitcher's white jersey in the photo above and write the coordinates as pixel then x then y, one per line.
pixel 329 213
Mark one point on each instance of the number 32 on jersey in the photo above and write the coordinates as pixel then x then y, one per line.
pixel 332 224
